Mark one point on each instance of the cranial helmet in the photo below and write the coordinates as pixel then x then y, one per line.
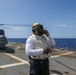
pixel 37 27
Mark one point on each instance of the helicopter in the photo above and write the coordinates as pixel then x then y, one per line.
pixel 3 38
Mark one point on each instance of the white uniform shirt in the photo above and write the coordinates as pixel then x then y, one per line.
pixel 29 47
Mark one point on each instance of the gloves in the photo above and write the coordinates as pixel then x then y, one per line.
pixel 46 32
pixel 46 51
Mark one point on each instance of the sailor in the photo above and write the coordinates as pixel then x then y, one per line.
pixel 38 48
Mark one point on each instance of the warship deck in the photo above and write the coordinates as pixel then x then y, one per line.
pixel 62 62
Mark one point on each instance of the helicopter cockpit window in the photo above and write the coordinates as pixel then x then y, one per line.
pixel 1 32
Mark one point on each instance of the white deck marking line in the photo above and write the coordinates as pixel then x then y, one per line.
pixel 61 54
pixel 15 64
pixel 15 57
pixel 24 61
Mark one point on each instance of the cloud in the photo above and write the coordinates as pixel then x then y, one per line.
pixel 16 28
pixel 12 27
pixel 62 25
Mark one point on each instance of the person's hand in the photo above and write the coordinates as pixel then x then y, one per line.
pixel 46 32
pixel 46 51
pixel 50 51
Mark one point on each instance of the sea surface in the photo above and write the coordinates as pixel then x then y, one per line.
pixel 69 43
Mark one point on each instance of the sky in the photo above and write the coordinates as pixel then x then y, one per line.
pixel 57 16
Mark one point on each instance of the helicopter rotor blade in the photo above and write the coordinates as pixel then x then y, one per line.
pixel 14 26
pixel 25 25
pixel 6 27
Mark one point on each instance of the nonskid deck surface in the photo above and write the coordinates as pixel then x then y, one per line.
pixel 61 62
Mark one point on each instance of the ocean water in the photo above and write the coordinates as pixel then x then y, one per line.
pixel 69 43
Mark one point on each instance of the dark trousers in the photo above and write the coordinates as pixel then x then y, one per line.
pixel 39 67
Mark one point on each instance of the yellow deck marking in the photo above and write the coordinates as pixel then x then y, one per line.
pixel 26 62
